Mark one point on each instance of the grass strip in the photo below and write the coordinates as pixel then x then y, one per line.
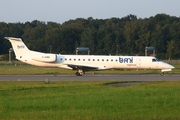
pixel 89 100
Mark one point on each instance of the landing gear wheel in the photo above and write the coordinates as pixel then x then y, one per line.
pixel 162 74
pixel 78 74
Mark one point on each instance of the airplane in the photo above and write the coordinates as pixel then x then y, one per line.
pixel 84 63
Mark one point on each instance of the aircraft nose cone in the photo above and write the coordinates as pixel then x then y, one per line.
pixel 170 66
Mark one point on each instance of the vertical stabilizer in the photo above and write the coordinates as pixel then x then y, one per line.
pixel 19 47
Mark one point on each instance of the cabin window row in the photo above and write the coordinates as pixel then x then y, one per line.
pixel 70 59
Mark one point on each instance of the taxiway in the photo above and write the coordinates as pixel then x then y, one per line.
pixel 124 77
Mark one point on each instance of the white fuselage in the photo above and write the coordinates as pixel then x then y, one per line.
pixel 99 61
pixel 84 63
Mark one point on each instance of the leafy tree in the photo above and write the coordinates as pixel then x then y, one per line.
pixel 128 35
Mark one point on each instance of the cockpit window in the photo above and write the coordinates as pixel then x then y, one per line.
pixel 155 60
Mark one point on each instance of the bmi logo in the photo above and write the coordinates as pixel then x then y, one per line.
pixel 20 46
pixel 126 60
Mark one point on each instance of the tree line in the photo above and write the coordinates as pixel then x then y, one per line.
pixel 128 35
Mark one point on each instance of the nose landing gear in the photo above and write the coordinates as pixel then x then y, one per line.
pixel 162 73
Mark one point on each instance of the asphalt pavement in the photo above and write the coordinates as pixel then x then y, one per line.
pixel 96 77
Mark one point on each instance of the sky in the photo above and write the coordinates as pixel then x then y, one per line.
pixel 59 11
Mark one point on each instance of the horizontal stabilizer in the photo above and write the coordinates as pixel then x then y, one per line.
pixel 12 38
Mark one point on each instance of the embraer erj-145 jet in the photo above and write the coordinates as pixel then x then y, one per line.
pixel 83 63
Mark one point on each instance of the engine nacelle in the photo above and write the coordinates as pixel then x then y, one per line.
pixel 49 58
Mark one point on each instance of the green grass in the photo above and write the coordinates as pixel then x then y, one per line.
pixel 29 69
pixel 6 69
pixel 89 100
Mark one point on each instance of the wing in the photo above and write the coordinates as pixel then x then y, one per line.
pixel 82 67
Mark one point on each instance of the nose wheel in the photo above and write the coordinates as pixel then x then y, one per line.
pixel 162 73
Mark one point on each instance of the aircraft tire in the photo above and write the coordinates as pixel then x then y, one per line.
pixel 78 74
pixel 162 73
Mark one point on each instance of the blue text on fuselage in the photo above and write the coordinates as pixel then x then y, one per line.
pixel 126 60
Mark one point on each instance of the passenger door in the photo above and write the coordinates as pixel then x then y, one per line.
pixel 138 62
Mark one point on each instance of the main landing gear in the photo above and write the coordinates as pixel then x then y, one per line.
pixel 80 72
